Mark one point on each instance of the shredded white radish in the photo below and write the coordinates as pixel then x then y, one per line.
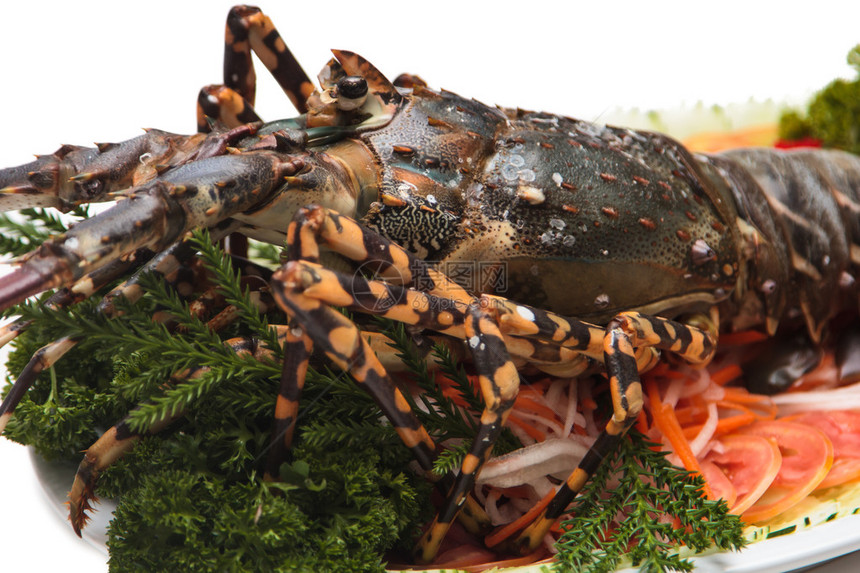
pixel 570 414
pixel 704 436
pixel 552 425
pixel 498 515
pixel 699 382
pixel 523 436
pixel 525 465
pixel 844 398
pixel 585 391
pixel 555 391
pixel 673 392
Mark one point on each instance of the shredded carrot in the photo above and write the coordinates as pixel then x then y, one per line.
pixel 667 423
pixel 724 426
pixel 500 535
pixel 743 396
pixel 528 404
pixel 527 428
pixel 742 338
pixel 641 422
pixel 516 491
pixel 726 374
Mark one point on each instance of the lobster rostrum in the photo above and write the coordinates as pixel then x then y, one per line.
pixel 533 238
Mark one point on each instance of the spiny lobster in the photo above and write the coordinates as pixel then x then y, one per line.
pixel 608 244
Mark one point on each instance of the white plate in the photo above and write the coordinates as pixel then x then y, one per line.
pixel 833 546
pixel 73 86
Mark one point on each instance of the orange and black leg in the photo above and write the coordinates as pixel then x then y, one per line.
pixel 249 31
pixel 499 383
pixel 306 292
pixel 297 352
pixel 621 338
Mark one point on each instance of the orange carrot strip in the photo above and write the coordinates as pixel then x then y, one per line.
pixel 523 403
pixel 742 338
pixel 641 422
pixel 726 374
pixel 516 491
pixel 733 423
pixel 500 535
pixel 724 426
pixel 527 428
pixel 691 415
pixel 743 396
pixel 539 385
pixel 667 423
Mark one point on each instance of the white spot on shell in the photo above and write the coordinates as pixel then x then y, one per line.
pixel 702 253
pixel 546 238
pixel 474 341
pixel 568 240
pixel 144 158
pixel 532 195
pixel 406 189
pixel 431 199
pixel 557 178
pixel 557 224
pixel 527 175
pixel 526 313
pixel 601 301
pixel 517 160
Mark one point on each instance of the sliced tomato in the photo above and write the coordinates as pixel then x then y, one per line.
pixel 750 463
pixel 807 456
pixel 844 470
pixel 843 429
pixel 721 486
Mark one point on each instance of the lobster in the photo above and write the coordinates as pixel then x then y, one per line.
pixel 516 232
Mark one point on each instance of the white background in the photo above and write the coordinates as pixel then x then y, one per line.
pixel 79 72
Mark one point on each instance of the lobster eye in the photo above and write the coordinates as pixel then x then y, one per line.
pixel 352 87
pixel 351 92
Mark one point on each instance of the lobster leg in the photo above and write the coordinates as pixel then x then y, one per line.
pixel 249 30
pixel 622 336
pixel 297 352
pixel 121 437
pixel 306 291
pixel 625 346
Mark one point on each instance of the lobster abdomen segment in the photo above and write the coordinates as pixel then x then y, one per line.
pixel 812 201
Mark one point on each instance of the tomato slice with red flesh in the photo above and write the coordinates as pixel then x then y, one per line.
pixel 807 456
pixel 843 430
pixel 750 463
pixel 721 486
